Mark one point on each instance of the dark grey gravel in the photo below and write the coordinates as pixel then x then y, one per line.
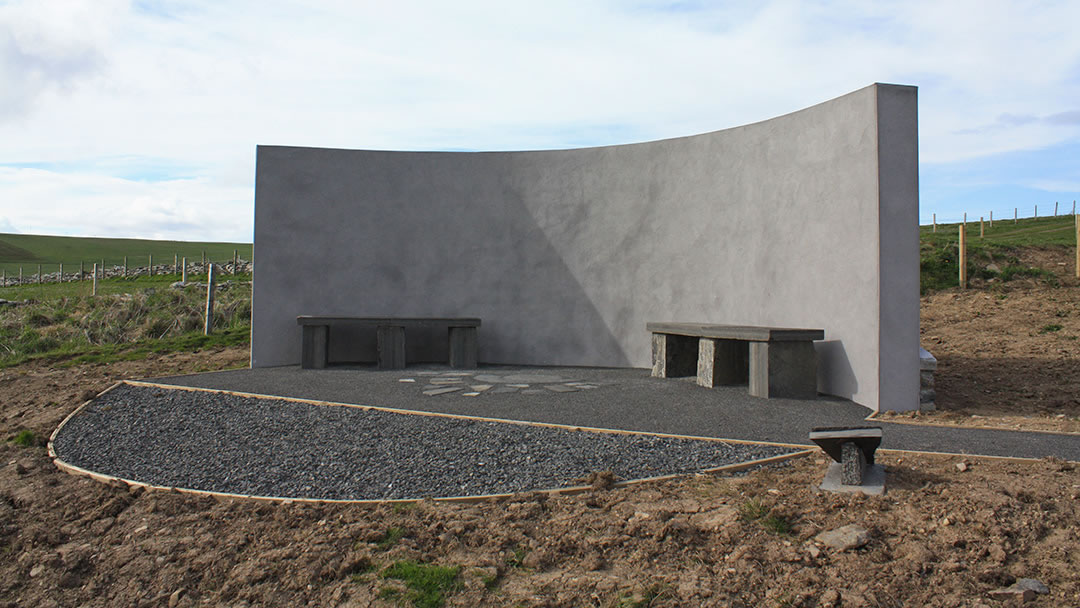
pixel 272 447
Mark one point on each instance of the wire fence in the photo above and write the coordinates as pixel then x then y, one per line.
pixel 1058 209
pixel 125 267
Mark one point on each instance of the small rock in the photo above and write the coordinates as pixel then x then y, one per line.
pixel 851 536
pixel 37 570
pixel 962 466
pixel 1025 589
pixel 174 599
pixel 813 551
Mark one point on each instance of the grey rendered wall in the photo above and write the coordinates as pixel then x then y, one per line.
pixel 806 220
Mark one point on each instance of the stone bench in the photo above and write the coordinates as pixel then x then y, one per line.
pixel 852 450
pixel 773 361
pixel 390 338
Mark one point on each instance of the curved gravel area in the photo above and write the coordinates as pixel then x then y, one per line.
pixel 274 447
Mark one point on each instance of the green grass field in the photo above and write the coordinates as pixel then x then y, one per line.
pixel 1042 232
pixel 997 248
pixel 29 250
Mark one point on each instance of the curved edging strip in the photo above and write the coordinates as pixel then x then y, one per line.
pixel 874 416
pixel 112 479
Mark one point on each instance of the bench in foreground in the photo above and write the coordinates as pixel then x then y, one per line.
pixel 773 361
pixel 390 338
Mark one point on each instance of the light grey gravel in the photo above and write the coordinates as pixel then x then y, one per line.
pixel 272 447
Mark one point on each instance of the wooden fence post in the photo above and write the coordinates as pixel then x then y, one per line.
pixel 935 222
pixel 4 270
pixel 93 290
pixel 965 218
pixel 61 272
pixel 1076 221
pixel 1036 212
pixel 209 300
pixel 991 218
pixel 150 265
pixel 1055 208
pixel 183 271
pixel 204 259
pixel 125 266
pixel 39 274
pixel 963 259
pixel 981 231
pixel 175 262
pixel 1016 214
pixel 20 275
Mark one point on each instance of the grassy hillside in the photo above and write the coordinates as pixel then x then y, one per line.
pixel 29 250
pixel 995 254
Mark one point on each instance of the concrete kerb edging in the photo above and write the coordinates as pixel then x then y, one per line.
pixel 112 479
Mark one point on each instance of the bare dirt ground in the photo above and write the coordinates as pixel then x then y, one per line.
pixel 941 536
pixel 1008 353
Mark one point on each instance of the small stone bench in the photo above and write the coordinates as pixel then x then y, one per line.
pixel 390 338
pixel 852 448
pixel 773 361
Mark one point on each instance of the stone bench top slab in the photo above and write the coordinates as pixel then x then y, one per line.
pixel 737 332
pixel 411 321
pixel 830 439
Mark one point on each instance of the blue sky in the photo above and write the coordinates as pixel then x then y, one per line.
pixel 140 118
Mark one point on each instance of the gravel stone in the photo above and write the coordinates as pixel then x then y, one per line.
pixel 274 447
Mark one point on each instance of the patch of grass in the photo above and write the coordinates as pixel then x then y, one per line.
pixel 25 438
pixel 1050 327
pixel 646 599
pixel 776 524
pixel 753 510
pixel 81 329
pixel 389 594
pixel 517 557
pixel 390 538
pixel 428 584
pixel 403 507
pixel 490 581
pixel 939 251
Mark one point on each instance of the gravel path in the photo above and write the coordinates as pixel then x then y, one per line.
pixel 270 447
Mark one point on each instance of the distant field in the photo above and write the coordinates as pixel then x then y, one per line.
pixel 1042 232
pixel 29 250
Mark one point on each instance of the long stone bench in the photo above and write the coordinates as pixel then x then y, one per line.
pixel 773 361
pixel 390 338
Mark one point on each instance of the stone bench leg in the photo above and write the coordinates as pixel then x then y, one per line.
pixel 463 347
pixel 783 369
pixel 314 346
pixel 390 343
pixel 852 464
pixel 721 362
pixel 674 356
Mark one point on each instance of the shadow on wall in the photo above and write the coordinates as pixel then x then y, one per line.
pixel 835 375
pixel 415 239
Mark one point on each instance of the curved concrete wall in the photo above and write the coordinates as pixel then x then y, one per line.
pixel 806 220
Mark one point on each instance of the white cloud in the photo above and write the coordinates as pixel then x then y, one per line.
pixel 200 83
pixel 96 205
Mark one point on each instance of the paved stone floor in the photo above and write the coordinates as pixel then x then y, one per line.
pixel 626 399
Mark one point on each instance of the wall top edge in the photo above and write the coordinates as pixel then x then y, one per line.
pixel 268 147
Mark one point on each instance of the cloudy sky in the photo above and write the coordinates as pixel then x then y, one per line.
pixel 140 118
